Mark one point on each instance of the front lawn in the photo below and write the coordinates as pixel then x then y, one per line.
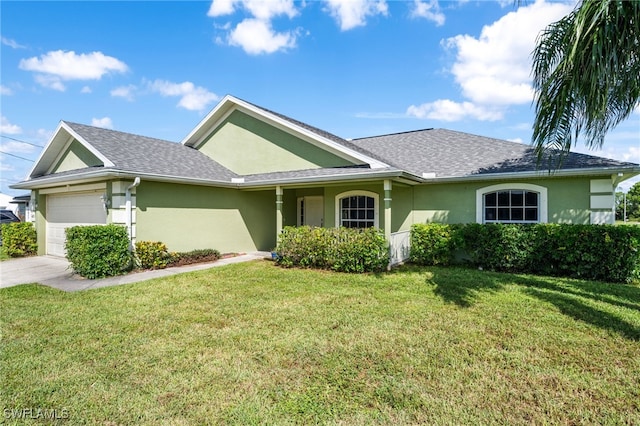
pixel 255 344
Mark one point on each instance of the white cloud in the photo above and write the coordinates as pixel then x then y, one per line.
pixel 57 66
pixel 429 10
pixel 447 110
pixel 519 140
pixel 193 98
pixel 256 37
pixel 126 92
pixel 50 82
pixel 104 122
pixel 353 13
pixel 12 43
pixel 221 8
pixel 494 69
pixel 5 91
pixel 260 9
pixel 86 89
pixel 7 128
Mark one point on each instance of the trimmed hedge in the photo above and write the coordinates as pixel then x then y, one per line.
pixel 98 251
pixel 338 249
pixel 19 239
pixel 595 252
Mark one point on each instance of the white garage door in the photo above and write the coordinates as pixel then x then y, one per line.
pixel 64 211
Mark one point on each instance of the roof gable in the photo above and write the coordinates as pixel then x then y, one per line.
pixel 67 150
pixel 248 145
pixel 322 140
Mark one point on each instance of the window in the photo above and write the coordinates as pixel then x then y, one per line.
pixel 511 206
pixel 511 203
pixel 357 209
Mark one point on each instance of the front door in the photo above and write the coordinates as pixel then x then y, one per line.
pixel 311 211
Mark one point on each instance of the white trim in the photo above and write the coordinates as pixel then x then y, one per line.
pixel 376 205
pixel 543 211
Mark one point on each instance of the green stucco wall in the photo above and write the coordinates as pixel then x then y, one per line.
pixel 247 146
pixel 187 217
pixel 76 157
pixel 568 200
pixel 41 223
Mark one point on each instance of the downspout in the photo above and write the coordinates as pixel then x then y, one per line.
pixel 129 211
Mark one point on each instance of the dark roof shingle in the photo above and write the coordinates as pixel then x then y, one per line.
pixel 143 154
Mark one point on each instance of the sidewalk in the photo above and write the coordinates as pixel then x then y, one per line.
pixel 55 272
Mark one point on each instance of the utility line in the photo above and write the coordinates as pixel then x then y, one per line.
pixel 17 156
pixel 21 141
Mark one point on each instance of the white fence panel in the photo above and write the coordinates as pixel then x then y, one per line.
pixel 399 247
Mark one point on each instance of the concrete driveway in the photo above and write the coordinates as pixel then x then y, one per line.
pixel 55 272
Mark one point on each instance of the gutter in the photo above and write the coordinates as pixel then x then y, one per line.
pixel 129 211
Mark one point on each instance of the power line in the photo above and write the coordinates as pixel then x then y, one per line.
pixel 17 156
pixel 21 141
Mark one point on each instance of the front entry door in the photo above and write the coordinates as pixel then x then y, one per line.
pixel 311 211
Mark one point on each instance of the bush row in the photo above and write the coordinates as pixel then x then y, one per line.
pixel 103 250
pixel 338 249
pixel 595 252
pixel 19 239
pixel 154 255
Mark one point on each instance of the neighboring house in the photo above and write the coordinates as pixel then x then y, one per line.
pixel 24 209
pixel 245 172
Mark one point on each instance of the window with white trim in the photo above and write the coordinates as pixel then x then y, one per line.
pixel 357 209
pixel 511 203
pixel 511 206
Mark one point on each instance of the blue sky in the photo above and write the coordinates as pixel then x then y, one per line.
pixel 354 68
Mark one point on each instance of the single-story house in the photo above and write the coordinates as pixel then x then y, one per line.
pixel 244 172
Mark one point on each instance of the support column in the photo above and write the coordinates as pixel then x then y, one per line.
pixel 387 209
pixel 279 202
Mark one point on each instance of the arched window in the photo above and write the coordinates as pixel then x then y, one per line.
pixel 511 203
pixel 357 209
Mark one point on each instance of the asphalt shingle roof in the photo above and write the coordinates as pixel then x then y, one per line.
pixel 448 153
pixel 143 154
pixel 442 152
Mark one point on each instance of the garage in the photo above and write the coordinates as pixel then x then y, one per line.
pixel 67 210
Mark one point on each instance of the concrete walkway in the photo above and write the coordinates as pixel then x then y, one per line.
pixel 55 272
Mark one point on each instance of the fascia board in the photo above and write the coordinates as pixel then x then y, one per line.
pixel 592 171
pixel 230 103
pixel 94 175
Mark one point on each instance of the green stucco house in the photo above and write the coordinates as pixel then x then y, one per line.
pixel 245 172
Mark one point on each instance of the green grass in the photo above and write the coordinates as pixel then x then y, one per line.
pixel 255 344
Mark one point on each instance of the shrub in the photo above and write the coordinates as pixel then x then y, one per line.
pixel 194 256
pixel 594 252
pixel 339 249
pixel 498 247
pixel 98 251
pixel 19 239
pixel 152 255
pixel 432 244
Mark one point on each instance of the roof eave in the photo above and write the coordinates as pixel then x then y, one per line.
pixel 592 171
pixel 92 176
